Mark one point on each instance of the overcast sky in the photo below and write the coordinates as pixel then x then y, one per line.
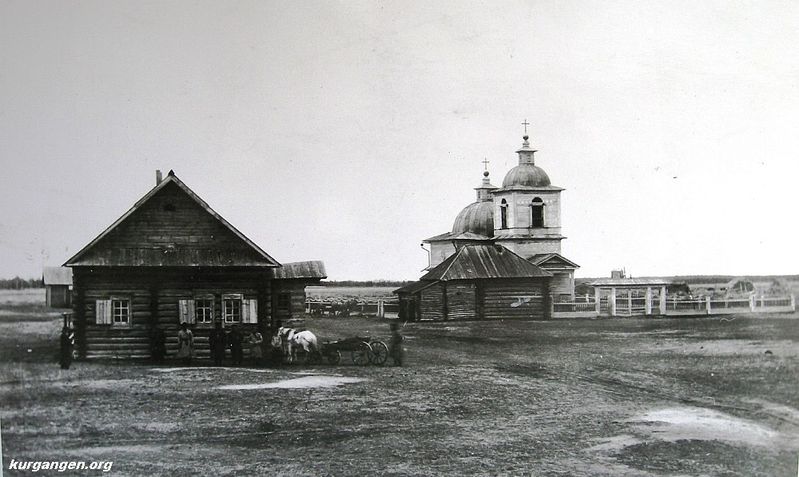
pixel 350 131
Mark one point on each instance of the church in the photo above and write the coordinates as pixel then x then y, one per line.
pixel 507 240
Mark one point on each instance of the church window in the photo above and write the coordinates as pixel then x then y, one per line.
pixel 503 214
pixel 537 212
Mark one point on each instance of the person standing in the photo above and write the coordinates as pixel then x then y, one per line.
pixel 235 339
pixel 397 352
pixel 185 344
pixel 218 342
pixel 256 348
pixel 67 345
pixel 157 344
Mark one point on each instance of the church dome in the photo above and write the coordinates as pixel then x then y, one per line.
pixel 528 175
pixel 477 218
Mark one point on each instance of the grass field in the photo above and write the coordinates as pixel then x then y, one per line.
pixel 611 397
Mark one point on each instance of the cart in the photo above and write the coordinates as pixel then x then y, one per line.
pixel 362 350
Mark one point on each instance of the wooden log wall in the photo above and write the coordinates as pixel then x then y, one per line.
pixel 515 299
pixel 296 288
pixel 154 297
pixel 432 303
pixel 461 301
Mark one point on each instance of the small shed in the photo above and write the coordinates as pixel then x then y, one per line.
pixel 289 282
pixel 58 286
pixel 478 282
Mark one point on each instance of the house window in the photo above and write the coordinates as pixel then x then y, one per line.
pixel 120 312
pixel 284 301
pixel 503 214
pixel 231 308
pixel 204 310
pixel 537 213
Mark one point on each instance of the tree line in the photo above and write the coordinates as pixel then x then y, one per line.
pixel 18 283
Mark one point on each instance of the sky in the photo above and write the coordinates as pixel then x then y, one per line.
pixel 350 131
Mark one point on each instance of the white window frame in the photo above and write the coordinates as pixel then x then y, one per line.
pixel 198 308
pixel 127 307
pixel 232 298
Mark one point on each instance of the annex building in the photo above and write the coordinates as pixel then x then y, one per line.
pixel 506 248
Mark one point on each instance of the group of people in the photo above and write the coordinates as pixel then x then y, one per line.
pixel 220 341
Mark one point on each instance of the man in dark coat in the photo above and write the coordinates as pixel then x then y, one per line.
pixel 235 339
pixel 67 344
pixel 157 344
pixel 217 340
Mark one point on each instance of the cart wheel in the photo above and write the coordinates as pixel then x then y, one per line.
pixel 334 357
pixel 361 355
pixel 379 353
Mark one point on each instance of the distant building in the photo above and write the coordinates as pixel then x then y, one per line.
pixel 58 286
pixel 172 259
pixel 479 281
pixel 523 216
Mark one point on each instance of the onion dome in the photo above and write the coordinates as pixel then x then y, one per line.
pixel 477 218
pixel 526 174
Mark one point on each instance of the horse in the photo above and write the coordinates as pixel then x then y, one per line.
pixel 290 339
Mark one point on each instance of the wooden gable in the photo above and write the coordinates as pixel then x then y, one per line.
pixel 171 226
pixel 553 260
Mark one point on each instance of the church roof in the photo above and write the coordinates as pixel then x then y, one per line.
pixel 449 236
pixel 171 226
pixel 526 175
pixel 477 261
pixel 477 218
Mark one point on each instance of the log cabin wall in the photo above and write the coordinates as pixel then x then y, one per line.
pixel 289 299
pixel 461 300
pixel 515 299
pixel 432 303
pixel 153 296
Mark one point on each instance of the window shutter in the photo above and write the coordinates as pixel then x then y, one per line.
pixel 102 312
pixel 186 311
pixel 249 311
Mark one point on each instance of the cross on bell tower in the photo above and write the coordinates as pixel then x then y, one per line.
pixel 525 124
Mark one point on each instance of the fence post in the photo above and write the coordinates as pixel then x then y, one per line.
pixel 752 303
pixel 793 302
pixel 707 304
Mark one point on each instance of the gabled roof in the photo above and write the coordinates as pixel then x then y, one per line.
pixel 143 255
pixel 57 276
pixel 542 259
pixel 484 261
pixel 310 269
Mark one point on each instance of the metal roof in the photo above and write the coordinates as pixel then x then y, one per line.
pixel 57 276
pixel 477 218
pixel 484 261
pixel 309 269
pixel 630 282
pixel 445 237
